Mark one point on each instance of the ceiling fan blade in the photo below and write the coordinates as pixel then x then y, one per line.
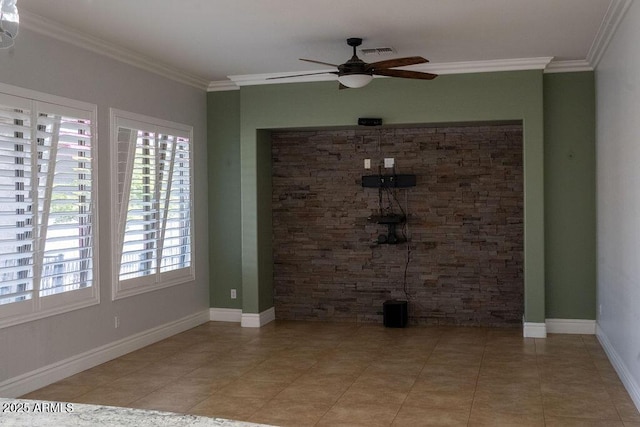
pixel 405 74
pixel 398 62
pixel 341 86
pixel 318 62
pixel 302 75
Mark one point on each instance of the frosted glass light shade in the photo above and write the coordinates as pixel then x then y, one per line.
pixel 9 22
pixel 355 80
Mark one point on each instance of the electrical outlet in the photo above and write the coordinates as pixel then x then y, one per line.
pixel 600 309
pixel 389 162
pixel 234 295
pixel 116 322
pixel 367 163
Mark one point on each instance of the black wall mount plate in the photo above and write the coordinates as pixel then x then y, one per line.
pixel 391 181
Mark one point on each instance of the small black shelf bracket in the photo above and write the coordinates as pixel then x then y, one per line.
pixel 391 221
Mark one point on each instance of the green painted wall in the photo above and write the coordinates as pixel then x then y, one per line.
pixel 452 98
pixel 570 218
pixel 265 237
pixel 223 151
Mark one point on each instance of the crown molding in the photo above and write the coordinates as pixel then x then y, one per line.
pixel 612 18
pixel 221 86
pixel 568 66
pixel 490 66
pixel 52 29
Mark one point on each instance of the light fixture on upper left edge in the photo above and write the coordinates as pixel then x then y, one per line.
pixel 9 22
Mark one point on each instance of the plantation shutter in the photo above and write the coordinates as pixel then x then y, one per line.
pixel 64 164
pixel 153 203
pixel 46 233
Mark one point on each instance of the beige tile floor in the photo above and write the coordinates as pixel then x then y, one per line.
pixel 326 374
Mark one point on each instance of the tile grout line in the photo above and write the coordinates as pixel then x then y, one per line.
pixel 535 347
pixel 414 382
pixel 475 390
pixel 358 327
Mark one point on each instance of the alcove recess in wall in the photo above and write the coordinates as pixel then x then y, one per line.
pixel 465 225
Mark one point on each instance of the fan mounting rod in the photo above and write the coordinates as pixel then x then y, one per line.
pixel 354 42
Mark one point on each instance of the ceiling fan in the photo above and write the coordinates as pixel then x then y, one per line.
pixel 356 73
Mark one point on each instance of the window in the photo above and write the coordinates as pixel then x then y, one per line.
pixel 153 201
pixel 47 205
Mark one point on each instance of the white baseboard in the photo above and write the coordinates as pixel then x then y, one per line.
pixel 225 315
pixel 534 330
pixel 30 381
pixel 571 326
pixel 558 326
pixel 246 320
pixel 630 383
pixel 251 320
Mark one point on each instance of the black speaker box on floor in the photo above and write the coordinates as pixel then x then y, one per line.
pixel 394 314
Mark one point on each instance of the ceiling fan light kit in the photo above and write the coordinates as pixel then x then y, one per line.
pixel 356 73
pixel 355 80
pixel 9 22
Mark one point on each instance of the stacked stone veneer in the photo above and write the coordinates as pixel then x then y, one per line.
pixel 465 225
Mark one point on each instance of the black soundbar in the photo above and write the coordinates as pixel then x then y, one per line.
pixel 397 181
pixel 388 219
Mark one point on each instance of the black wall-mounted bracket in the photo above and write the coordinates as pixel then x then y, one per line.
pixel 391 221
pixel 389 181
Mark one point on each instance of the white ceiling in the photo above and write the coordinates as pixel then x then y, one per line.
pixel 210 40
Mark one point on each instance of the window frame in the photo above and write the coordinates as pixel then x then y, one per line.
pixel 39 307
pixel 158 280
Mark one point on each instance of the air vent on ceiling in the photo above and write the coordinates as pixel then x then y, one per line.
pixel 378 51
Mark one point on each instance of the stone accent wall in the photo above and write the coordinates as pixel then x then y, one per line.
pixel 463 264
